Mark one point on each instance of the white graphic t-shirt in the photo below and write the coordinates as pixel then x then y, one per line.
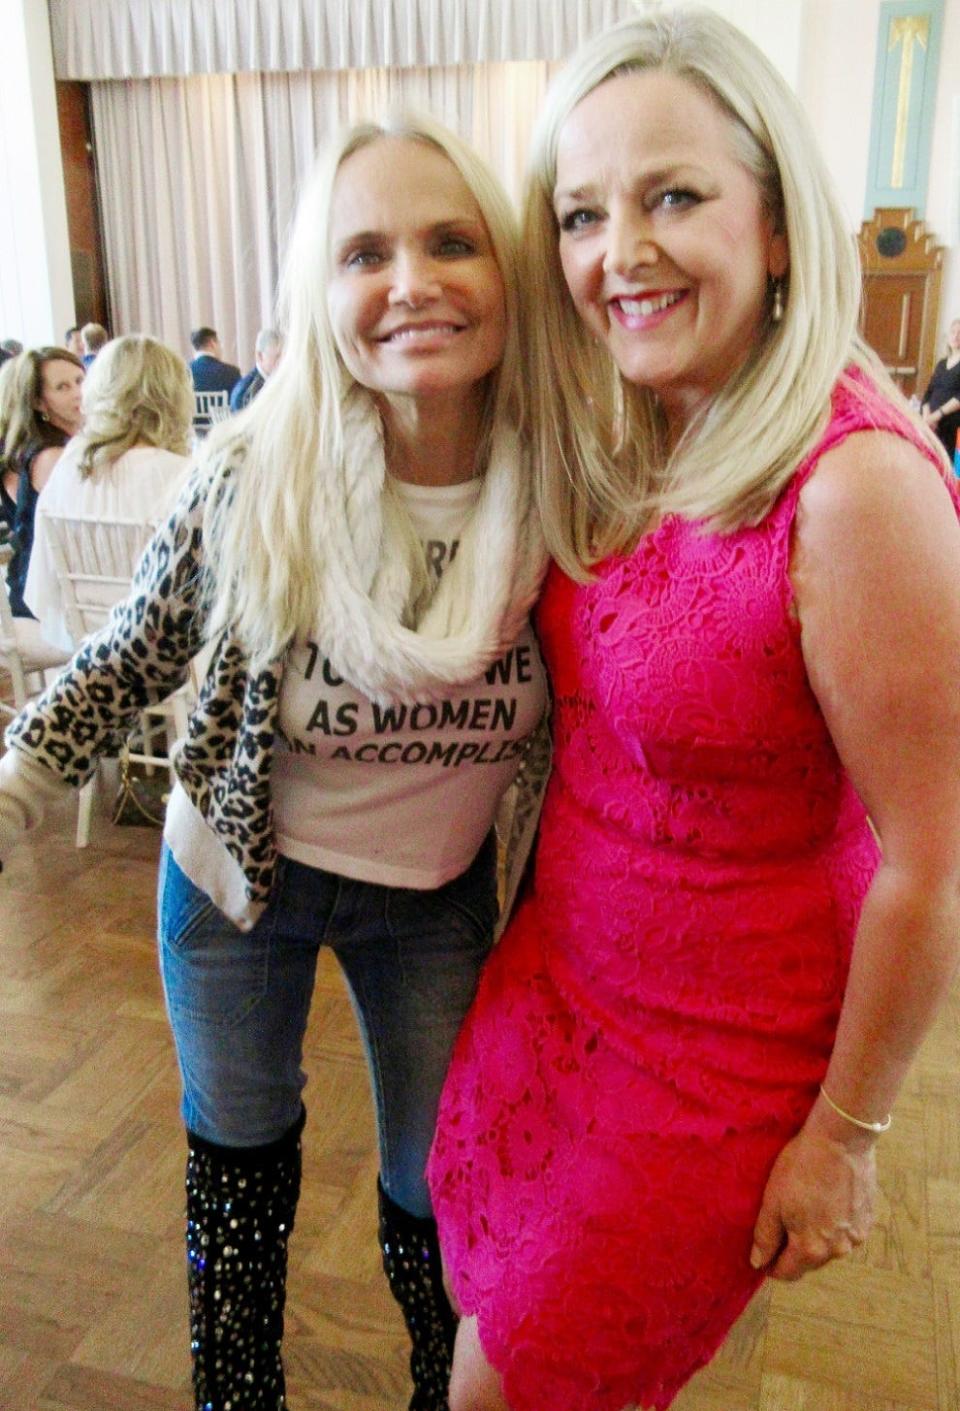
pixel 401 795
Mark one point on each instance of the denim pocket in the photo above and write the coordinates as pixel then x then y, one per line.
pixel 477 906
pixel 458 917
pixel 473 895
pixel 213 973
pixel 183 906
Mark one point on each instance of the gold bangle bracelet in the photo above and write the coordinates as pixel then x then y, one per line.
pixel 877 1127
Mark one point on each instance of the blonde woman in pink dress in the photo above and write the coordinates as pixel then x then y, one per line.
pixel 685 1048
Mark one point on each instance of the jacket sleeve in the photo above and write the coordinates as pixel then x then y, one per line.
pixel 139 656
pixel 26 790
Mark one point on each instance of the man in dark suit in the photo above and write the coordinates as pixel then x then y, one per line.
pixel 266 352
pixel 209 372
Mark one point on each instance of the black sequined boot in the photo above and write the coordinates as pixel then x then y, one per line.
pixel 411 1262
pixel 241 1203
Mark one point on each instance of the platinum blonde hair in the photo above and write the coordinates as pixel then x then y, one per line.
pixel 137 393
pixel 602 465
pixel 262 531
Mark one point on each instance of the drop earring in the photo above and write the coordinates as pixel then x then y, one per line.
pixel 776 312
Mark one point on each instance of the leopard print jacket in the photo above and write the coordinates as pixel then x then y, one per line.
pixel 223 766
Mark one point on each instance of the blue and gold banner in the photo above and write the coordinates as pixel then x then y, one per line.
pixel 904 95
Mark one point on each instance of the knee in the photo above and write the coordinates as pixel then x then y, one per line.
pixel 467 1395
pixel 474 1385
pixel 458 1398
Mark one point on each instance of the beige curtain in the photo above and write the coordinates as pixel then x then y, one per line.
pixel 121 39
pixel 198 178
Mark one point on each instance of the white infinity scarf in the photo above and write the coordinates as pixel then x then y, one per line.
pixel 480 603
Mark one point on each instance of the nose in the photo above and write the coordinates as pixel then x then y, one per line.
pixel 415 279
pixel 630 242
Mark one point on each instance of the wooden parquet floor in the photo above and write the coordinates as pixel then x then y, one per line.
pixel 92 1303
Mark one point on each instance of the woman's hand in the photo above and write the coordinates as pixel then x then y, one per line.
pixel 819 1201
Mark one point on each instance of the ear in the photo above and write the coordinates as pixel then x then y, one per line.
pixel 778 256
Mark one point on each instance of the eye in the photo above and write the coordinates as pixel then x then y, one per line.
pixel 676 198
pixel 455 246
pixel 364 257
pixel 581 218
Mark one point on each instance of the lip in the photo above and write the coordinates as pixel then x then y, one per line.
pixel 646 309
pixel 416 334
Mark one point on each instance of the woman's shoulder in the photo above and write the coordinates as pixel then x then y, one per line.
pixel 65 475
pixel 161 454
pixel 42 464
pixel 868 440
pixel 868 486
pixel 866 422
pixel 141 460
pixel 869 464
pixel 23 457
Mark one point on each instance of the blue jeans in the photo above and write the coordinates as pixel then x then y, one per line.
pixel 239 1001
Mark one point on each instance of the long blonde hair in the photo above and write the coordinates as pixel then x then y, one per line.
pixel 8 389
pixel 603 467
pixel 137 393
pixel 8 397
pixel 261 529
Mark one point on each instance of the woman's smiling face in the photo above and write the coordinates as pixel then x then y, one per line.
pixel 664 240
pixel 416 297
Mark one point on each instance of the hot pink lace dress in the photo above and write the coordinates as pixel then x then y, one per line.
pixel 655 1022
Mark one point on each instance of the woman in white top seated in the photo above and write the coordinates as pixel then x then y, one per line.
pixel 129 462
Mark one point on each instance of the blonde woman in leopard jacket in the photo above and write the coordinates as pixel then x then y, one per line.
pixel 359 553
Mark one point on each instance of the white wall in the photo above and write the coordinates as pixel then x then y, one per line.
pixel 838 56
pixel 943 199
pixel 776 28
pixel 36 285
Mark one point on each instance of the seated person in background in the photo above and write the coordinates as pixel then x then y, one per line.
pixel 93 336
pixel 73 341
pixel 266 351
pixel 941 401
pixel 209 372
pixel 129 462
pixel 8 473
pixel 44 413
pixel 9 348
